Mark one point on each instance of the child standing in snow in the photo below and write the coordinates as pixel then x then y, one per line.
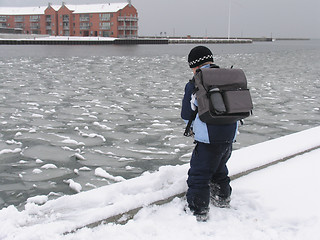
pixel 208 174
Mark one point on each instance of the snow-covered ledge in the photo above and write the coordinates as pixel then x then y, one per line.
pixel 273 151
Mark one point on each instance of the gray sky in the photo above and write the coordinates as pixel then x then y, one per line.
pixel 249 18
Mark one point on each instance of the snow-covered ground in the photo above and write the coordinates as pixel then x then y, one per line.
pixel 72 38
pixel 278 202
pixel 52 38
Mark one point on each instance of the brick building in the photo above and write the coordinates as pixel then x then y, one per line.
pixel 119 20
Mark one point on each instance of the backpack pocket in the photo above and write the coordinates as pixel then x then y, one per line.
pixel 238 101
pixel 216 102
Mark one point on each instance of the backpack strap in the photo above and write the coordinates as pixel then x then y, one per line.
pixel 188 132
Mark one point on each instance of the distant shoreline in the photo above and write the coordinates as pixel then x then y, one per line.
pixel 21 39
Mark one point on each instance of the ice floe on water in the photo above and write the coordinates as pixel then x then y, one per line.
pixel 102 173
pixel 74 185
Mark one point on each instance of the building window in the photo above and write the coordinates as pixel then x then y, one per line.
pixel 34 18
pixel 19 18
pixel 66 26
pixel 48 18
pixel 19 25
pixel 3 18
pixel 48 26
pixel 105 33
pixel 84 26
pixel 66 18
pixel 35 26
pixel 84 18
pixel 105 17
pixel 105 25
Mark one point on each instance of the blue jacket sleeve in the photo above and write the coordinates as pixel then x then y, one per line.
pixel 186 111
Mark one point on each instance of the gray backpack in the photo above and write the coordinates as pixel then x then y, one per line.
pixel 222 95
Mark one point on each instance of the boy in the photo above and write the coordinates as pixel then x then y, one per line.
pixel 208 174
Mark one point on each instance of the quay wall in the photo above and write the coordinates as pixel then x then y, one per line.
pixel 117 41
pixel 22 39
pixel 80 42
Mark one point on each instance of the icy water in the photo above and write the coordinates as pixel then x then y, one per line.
pixel 73 115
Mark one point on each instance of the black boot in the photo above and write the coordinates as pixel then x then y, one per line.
pixel 215 198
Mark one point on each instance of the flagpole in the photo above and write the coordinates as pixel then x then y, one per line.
pixel 229 19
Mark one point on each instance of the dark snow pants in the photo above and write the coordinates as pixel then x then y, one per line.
pixel 208 165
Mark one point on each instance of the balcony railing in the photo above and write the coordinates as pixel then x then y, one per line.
pixel 35 26
pixel 19 19
pixel 3 19
pixel 127 28
pixel 105 19
pixel 84 26
pixel 19 25
pixel 105 27
pixel 133 19
pixel 84 19
pixel 34 19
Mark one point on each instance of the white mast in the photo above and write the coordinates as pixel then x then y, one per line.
pixel 229 20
